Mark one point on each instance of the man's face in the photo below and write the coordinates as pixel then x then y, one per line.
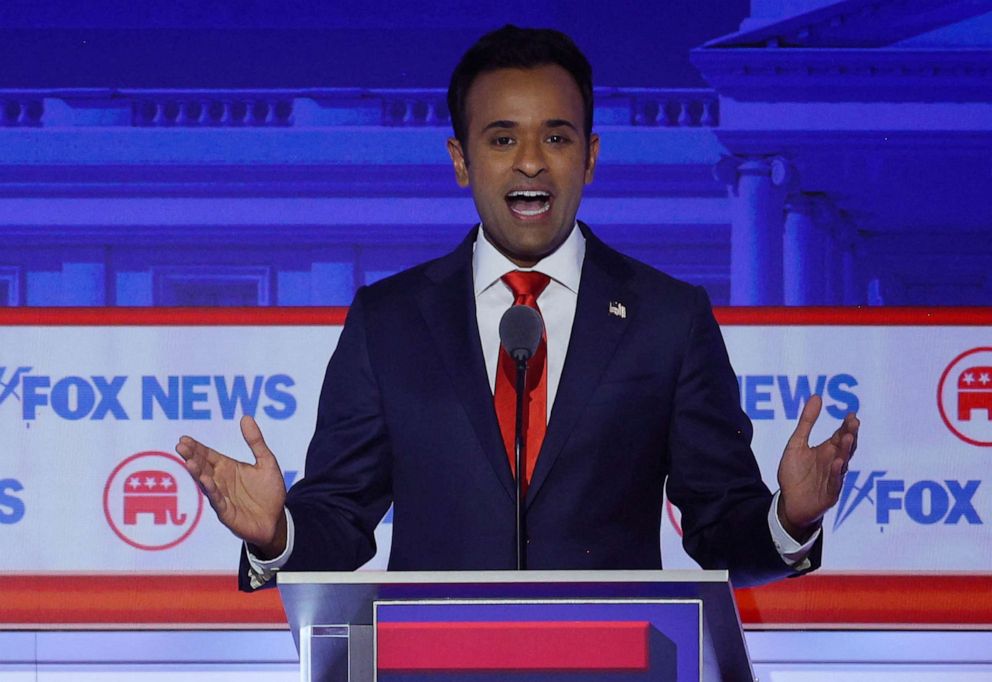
pixel 526 158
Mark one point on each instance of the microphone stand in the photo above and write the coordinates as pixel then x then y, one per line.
pixel 520 331
pixel 520 459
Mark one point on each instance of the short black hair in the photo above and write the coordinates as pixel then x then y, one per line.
pixel 512 47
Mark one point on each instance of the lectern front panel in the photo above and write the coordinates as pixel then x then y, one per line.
pixel 538 640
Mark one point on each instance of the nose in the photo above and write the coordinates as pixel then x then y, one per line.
pixel 529 159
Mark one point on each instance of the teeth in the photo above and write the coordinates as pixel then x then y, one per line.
pixel 531 194
pixel 537 211
pixel 521 196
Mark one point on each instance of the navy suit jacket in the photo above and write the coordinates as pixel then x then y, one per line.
pixel 406 417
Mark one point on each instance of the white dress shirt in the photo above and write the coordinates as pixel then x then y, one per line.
pixel 557 303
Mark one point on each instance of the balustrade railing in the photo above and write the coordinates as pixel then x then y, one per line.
pixel 645 107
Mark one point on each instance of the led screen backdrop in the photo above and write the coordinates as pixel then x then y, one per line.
pixel 92 403
pixel 281 155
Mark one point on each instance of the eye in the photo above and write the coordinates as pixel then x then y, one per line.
pixel 502 140
pixel 558 139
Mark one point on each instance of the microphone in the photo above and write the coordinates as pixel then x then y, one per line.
pixel 520 331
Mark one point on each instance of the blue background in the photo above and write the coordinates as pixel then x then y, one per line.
pixel 259 154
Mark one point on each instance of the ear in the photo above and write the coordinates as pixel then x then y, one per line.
pixel 458 161
pixel 591 156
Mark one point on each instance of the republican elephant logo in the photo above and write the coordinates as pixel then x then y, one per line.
pixel 152 492
pixel 150 502
pixel 964 396
pixel 975 392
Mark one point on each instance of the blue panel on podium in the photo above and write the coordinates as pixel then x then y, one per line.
pixel 538 641
pixel 525 626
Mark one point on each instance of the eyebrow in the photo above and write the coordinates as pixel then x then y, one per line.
pixel 550 123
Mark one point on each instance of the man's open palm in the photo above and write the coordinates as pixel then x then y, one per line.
pixel 810 478
pixel 248 498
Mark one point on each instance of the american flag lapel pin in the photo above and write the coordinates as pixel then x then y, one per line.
pixel 619 309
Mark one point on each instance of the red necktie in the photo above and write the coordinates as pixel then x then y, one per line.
pixel 526 287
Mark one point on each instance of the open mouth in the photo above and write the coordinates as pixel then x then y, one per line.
pixel 529 203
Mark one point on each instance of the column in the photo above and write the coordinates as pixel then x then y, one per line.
pixel 800 273
pixel 818 255
pixel 757 191
pixel 851 291
pixel 827 219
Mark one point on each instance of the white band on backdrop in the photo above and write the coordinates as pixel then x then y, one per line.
pixel 90 414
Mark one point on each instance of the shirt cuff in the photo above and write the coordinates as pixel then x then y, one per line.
pixel 260 571
pixel 792 552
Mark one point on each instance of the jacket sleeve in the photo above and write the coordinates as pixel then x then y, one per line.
pixel 714 479
pixel 346 487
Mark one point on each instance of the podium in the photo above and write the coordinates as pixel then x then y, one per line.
pixel 515 626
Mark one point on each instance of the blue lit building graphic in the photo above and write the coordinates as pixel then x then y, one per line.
pixel 807 153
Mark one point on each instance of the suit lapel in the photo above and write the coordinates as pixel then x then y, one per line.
pixel 448 306
pixel 594 339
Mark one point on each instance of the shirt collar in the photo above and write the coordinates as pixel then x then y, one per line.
pixel 564 264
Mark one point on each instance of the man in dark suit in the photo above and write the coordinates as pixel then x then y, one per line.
pixel 631 386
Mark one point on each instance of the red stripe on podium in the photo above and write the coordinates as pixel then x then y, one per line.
pixel 512 646
pixel 191 600
pixel 178 599
pixel 917 600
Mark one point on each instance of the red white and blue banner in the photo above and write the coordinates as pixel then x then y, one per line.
pixel 93 401
pixel 623 640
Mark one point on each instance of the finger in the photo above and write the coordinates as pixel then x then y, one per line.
pixel 190 447
pixel 800 437
pixel 847 447
pixel 853 425
pixel 184 447
pixel 253 437
pixel 842 454
pixel 213 494
pixel 204 480
pixel 848 427
pixel 850 424
pixel 194 467
pixel 199 473
pixel 838 469
pixel 198 466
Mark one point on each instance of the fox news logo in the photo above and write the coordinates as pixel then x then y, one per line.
pixel 173 397
pixel 11 504
pixel 925 502
pixel 768 396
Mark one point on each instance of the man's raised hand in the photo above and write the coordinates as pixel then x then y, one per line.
pixel 248 498
pixel 810 478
